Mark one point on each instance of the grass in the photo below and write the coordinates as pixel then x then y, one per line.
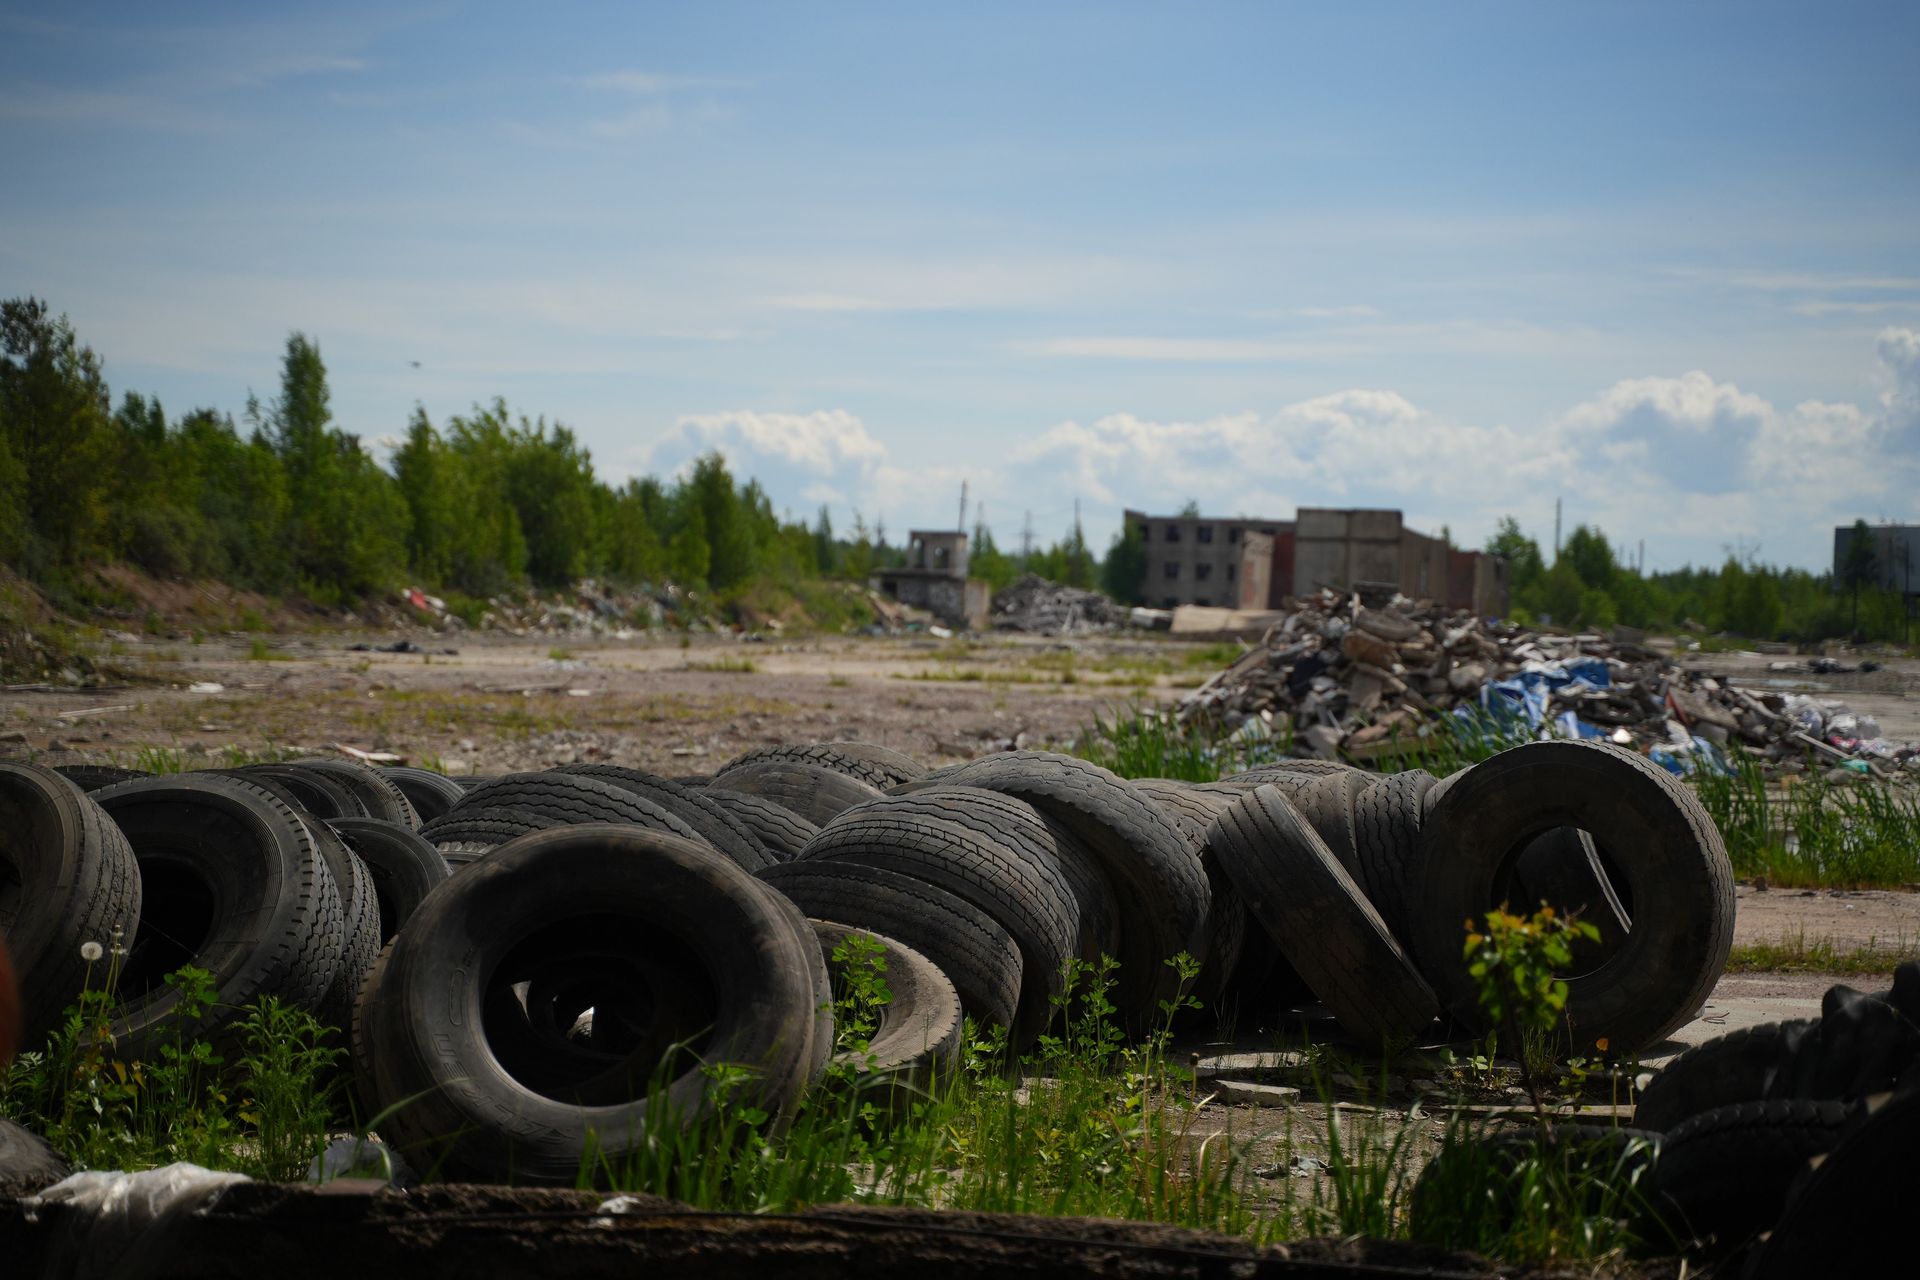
pixel 730 666
pixel 1796 953
pixel 1140 743
pixel 258 650
pixel 1814 832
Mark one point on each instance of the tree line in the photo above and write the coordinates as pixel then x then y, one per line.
pixel 285 500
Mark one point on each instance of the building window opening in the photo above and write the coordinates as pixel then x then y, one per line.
pixel 1171 571
pixel 1202 572
pixel 1203 534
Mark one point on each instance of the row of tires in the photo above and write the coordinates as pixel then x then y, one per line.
pixel 1799 1131
pixel 549 938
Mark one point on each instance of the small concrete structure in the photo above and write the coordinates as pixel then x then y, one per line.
pixel 935 579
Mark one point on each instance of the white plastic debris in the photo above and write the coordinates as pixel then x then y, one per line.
pixel 122 1226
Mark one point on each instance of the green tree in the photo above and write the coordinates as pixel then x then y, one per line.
pixel 1858 568
pixel 1124 574
pixel 1591 557
pixel 826 555
pixel 1524 562
pixel 56 431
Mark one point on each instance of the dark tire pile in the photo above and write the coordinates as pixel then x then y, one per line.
pixel 538 967
pixel 1791 1142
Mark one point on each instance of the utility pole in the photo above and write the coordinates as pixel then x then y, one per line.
pixel 1640 565
pixel 1026 540
pixel 1556 529
pixel 962 526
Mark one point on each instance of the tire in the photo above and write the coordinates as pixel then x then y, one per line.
pixel 67 877
pixel 567 799
pixel 463 838
pixel 361 938
pixel 378 794
pixel 1438 791
pixel 322 796
pixel 781 832
pixel 874 765
pixel 1387 819
pixel 918 1040
pixel 404 865
pixel 1226 932
pixel 1327 803
pixel 814 792
pixel 968 944
pixel 234 883
pixel 1748 1065
pixel 1156 875
pixel 1325 927
pixel 92 777
pixel 604 907
pixel 1028 898
pixel 1657 833
pixel 1848 1216
pixel 1724 1175
pixel 431 794
pixel 1248 779
pixel 714 824
pixel 1036 838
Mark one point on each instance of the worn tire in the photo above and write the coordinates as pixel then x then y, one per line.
pixel 67 877
pixel 813 791
pixel 610 906
pixel 1724 1175
pixel 378 794
pixel 463 838
pixel 713 823
pixel 26 1161
pixel 1156 875
pixel 568 799
pixel 431 794
pixel 1387 819
pixel 874 765
pixel 1195 812
pixel 1656 832
pixel 1849 1215
pixel 968 944
pixel 403 863
pixel 1325 927
pixel 233 882
pixel 1563 869
pixel 1026 896
pixel 1742 1066
pixel 361 938
pixel 781 832
pixel 919 1037
pixel 92 777
pixel 316 793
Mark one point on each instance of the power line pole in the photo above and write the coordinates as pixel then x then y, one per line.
pixel 1640 566
pixel 1026 539
pixel 962 526
pixel 1556 529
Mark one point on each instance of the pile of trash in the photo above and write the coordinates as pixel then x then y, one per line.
pixel 1036 605
pixel 1357 681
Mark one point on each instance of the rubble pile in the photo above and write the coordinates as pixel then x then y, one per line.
pixel 1036 605
pixel 1358 681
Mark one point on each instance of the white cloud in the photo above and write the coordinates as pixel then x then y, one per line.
pixel 648 83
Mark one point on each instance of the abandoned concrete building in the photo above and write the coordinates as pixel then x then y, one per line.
pixel 1896 556
pixel 935 579
pixel 1243 563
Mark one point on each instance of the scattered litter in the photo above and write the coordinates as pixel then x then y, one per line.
pixel 367 757
pixel 400 646
pixel 206 686
pixel 1033 604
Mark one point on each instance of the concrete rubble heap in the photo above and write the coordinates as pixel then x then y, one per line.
pixel 1047 608
pixel 1360 681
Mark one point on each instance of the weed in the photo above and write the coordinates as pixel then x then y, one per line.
pixel 258 650
pixel 1798 954
pixel 1149 744
pixel 731 666
pixel 1814 832
pixel 1513 964
pixel 559 655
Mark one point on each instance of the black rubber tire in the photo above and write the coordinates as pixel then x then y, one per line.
pixel 26 1161
pixel 361 938
pixel 714 824
pixel 464 838
pixel 468 781
pixel 1748 1065
pixel 1035 837
pixel 814 792
pixel 1195 812
pixel 1657 833
pixel 715 946
pixel 431 794
pixel 1387 820
pixel 1325 927
pixel 781 832
pixel 67 877
pixel 968 944
pixel 1563 869
pixel 322 796
pixel 1438 792
pixel 1248 779
pixel 403 863
pixel 1615 1164
pixel 918 1041
pixel 1850 1216
pixel 1327 803
pixel 378 794
pixel 1724 1175
pixel 876 766
pixel 570 799
pixel 1027 897
pixel 1155 872
pixel 92 777
pixel 234 883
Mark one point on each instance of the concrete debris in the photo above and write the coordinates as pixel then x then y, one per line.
pixel 1036 605
pixel 1363 682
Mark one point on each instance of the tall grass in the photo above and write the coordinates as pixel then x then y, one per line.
pixel 1141 743
pixel 1814 832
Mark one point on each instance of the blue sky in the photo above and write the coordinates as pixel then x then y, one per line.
pixel 1660 261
